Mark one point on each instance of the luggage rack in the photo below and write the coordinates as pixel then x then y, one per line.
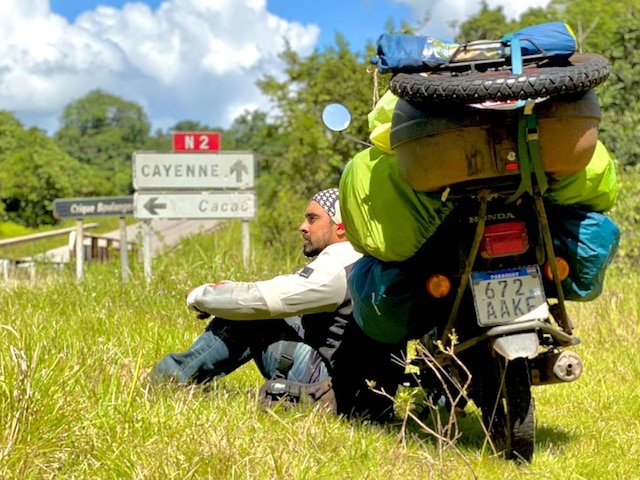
pixel 502 62
pixel 499 186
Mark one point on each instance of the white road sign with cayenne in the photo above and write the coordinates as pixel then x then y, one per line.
pixel 189 171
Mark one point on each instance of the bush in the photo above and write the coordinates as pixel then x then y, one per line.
pixel 11 229
pixel 627 215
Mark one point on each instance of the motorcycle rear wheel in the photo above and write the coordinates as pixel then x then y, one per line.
pixel 503 394
pixel 583 72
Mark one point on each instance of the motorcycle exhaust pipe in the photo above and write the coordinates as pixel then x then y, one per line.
pixel 560 367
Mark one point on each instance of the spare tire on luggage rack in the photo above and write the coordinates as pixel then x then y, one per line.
pixel 583 72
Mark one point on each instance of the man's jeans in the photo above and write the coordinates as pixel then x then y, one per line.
pixel 227 345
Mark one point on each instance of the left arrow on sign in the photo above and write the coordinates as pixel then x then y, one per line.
pixel 152 207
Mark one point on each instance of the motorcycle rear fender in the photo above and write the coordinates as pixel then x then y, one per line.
pixel 518 345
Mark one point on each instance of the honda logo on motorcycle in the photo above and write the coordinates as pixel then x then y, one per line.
pixel 495 216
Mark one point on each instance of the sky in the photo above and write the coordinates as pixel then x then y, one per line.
pixel 186 59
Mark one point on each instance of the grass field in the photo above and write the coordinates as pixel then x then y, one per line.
pixel 74 402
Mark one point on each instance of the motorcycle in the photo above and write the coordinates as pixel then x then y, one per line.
pixel 494 297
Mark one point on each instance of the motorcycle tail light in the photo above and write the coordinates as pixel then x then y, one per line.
pixel 438 285
pixel 504 239
pixel 561 264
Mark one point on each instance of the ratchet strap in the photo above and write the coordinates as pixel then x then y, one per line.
pixel 528 145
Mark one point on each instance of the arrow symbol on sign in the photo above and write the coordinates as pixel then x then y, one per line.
pixel 239 168
pixel 151 206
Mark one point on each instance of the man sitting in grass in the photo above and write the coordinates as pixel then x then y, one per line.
pixel 298 328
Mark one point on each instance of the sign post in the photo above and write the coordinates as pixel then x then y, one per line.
pixel 195 182
pixel 79 249
pixel 80 208
pixel 146 249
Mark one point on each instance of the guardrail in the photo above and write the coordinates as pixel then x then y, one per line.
pixel 96 248
pixel 28 264
pixel 40 236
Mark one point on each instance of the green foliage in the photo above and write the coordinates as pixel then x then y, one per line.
pixel 297 155
pixel 160 142
pixel 620 97
pixel 626 214
pixel 313 159
pixel 277 218
pixel 103 131
pixel 11 229
pixel 33 172
pixel 255 132
pixel 593 22
pixel 488 24
pixel 534 16
pixel 190 126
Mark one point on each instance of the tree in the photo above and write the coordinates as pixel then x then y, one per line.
pixel 593 21
pixel 620 96
pixel 103 131
pixel 306 157
pixel 535 16
pixel 190 126
pixel 34 171
pixel 160 141
pixel 314 158
pixel 254 131
pixel 487 24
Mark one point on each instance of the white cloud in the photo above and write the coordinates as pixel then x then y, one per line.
pixel 443 12
pixel 189 59
pixel 186 60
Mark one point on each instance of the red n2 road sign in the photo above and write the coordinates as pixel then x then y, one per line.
pixel 196 142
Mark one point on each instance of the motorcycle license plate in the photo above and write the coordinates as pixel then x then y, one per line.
pixel 508 296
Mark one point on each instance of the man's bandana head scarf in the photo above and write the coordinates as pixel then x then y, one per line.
pixel 328 200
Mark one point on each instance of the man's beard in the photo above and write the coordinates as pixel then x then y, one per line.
pixel 311 248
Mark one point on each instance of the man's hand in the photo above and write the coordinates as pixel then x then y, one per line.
pixel 202 315
pixel 192 295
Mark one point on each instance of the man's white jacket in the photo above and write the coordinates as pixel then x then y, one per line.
pixel 321 286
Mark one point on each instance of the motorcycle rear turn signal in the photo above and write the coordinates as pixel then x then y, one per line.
pixel 438 285
pixel 563 268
